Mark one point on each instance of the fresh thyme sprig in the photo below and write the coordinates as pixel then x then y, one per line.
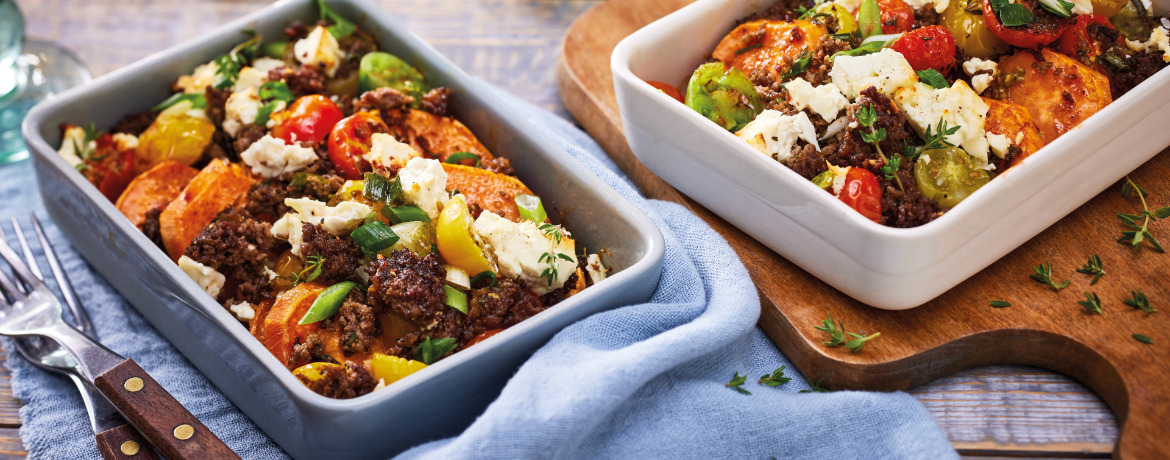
pixel 550 274
pixel 798 66
pixel 737 382
pixel 938 140
pixel 552 231
pixel 859 341
pixel 1091 303
pixel 91 134
pixel 1141 232
pixel 836 336
pixel 311 271
pixel 1143 339
pixel 867 116
pixel 1093 267
pixel 814 387
pixel 1139 301
pixel 1044 275
pixel 776 378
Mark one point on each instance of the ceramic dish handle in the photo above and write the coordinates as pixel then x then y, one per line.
pixel 123 443
pixel 164 422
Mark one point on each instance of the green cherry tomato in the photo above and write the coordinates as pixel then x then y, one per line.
pixel 727 98
pixel 948 176
pixel 378 70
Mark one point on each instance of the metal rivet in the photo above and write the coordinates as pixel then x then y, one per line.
pixel 130 447
pixel 133 384
pixel 184 432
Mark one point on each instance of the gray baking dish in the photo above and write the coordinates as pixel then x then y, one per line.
pixel 433 403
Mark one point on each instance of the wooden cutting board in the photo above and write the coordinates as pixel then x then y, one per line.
pixel 958 330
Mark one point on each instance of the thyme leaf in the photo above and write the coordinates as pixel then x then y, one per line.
pixel 776 378
pixel 1139 301
pixel 1044 275
pixel 1092 303
pixel 737 382
pixel 1093 267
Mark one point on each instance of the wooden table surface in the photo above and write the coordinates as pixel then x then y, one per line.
pixel 992 412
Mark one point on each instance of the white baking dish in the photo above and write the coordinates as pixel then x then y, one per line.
pixel 888 268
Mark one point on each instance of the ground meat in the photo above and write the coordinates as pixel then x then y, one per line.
pixel 135 123
pixel 926 16
pixel 237 246
pixel 409 286
pixel 152 229
pixel 384 100
pixel 340 257
pixel 817 72
pixel 312 350
pixel 1137 66
pixel 265 200
pixel 807 162
pixel 499 165
pixel 1002 164
pixel 342 382
pixel 296 31
pixel 247 137
pixel 503 305
pixel 1045 22
pixel 358 324
pixel 909 209
pixel 353 58
pixel 780 11
pixel 436 101
pixel 216 104
pixel 302 81
pixel 559 295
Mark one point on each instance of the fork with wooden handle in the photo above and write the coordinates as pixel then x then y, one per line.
pixel 28 308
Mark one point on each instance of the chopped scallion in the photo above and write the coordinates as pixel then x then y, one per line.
pixel 458 157
pixel 328 302
pixel 378 188
pixel 456 299
pixel 374 236
pixel 531 208
pixel 197 101
pixel 406 213
pixel 484 275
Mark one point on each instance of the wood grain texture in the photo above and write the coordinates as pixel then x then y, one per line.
pixel 958 330
pixel 173 430
pixel 123 443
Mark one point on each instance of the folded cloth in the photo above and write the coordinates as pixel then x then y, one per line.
pixel 643 381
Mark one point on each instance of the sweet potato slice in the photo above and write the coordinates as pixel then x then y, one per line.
pixel 769 46
pixel 214 189
pixel 1013 121
pixel 491 191
pixel 154 188
pixel 281 330
pixel 438 136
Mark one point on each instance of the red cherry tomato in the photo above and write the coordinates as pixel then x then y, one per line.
pixel 110 169
pixel 668 89
pixel 1041 32
pixel 1075 41
pixel 863 193
pixel 350 140
pixel 482 337
pixel 309 119
pixel 897 16
pixel 928 48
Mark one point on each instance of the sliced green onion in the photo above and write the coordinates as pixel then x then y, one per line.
pixel 273 50
pixel 341 27
pixel 456 299
pixel 378 188
pixel 197 101
pixel 531 208
pixel 458 157
pixel 265 113
pixel 484 275
pixel 374 236
pixel 861 50
pixel 406 213
pixel 430 351
pixel 869 18
pixel 328 302
pixel 886 40
pixel 276 90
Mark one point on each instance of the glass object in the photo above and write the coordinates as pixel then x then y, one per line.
pixel 30 71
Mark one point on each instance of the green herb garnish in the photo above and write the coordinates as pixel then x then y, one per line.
pixel 737 382
pixel 1143 339
pixel 863 49
pixel 1139 301
pixel 1058 7
pixel 1140 232
pixel 309 273
pixel 431 350
pixel 836 335
pixel 341 27
pixel 776 378
pixel 1092 303
pixel 1093 267
pixel 327 303
pixel 198 101
pixel 484 275
pixel 1000 304
pixel 938 140
pixel 798 67
pixel 859 341
pixel 748 48
pixel 814 387
pixel 1044 275
pixel 1012 14
pixel 933 78
pixel 275 90
pixel 531 208
pixel 867 116
pixel 405 213
pixel 374 236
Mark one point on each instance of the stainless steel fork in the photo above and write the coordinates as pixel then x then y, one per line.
pixel 112 433
pixel 30 309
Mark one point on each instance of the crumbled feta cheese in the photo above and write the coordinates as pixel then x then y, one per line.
pixel 839 174
pixel 982 81
pixel 125 141
pixel 1081 7
pixel 202 77
pixel 825 100
pixel 939 5
pixel 1158 40
pixel 519 247
pixel 1019 137
pixel 887 70
pixel 337 220
pixel 240 110
pixel 775 134
pixel 271 274
pixel 71 139
pixel 206 277
pixel 594 267
pixel 381 384
pixel 244 311
pixel 387 151
pixel 257 73
pixel 835 127
pixel 958 105
pixel 319 49
pixel 999 144
pixel 270 157
pixel 424 183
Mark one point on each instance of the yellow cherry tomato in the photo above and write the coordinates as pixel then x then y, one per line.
pixel 313 371
pixel 176 135
pixel 971 33
pixel 1108 8
pixel 845 22
pixel 453 235
pixel 391 369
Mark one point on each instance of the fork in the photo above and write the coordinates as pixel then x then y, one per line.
pixel 28 308
pixel 113 434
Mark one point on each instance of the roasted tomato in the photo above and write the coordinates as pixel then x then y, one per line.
pixel 350 140
pixel 308 119
pixel 668 89
pixel 1046 29
pixel 111 167
pixel 1059 92
pixel 1075 41
pixel 897 16
pixel 971 33
pixel 863 193
pixel 948 176
pixel 176 135
pixel 1014 122
pixel 484 336
pixel 769 46
pixel 928 48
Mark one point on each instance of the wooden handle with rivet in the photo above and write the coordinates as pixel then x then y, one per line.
pixel 173 430
pixel 123 443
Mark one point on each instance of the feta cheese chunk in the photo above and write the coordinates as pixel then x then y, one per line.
pixel 887 70
pixel 594 267
pixel 319 49
pixel 939 5
pixel 1159 40
pixel 518 249
pixel 387 151
pixel 839 173
pixel 775 134
pixel 824 100
pixel 982 81
pixel 125 141
pixel 240 110
pixel 72 139
pixel 999 144
pixel 270 157
pixel 244 311
pixel 958 105
pixel 206 277
pixel 1081 7
pixel 424 183
pixel 257 73
pixel 337 220
pixel 202 77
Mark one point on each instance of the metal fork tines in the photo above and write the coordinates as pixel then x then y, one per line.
pixel 80 316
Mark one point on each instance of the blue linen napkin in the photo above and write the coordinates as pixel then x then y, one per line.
pixel 643 381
